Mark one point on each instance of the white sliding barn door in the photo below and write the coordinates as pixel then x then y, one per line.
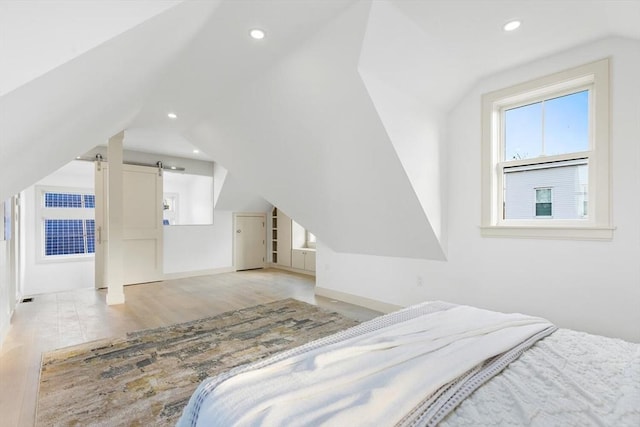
pixel 100 188
pixel 142 225
pixel 249 241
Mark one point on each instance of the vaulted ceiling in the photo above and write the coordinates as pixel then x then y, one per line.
pixel 337 116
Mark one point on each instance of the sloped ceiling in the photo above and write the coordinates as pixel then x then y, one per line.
pixel 38 36
pixel 336 116
pixel 67 111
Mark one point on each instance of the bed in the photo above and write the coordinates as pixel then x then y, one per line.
pixel 433 364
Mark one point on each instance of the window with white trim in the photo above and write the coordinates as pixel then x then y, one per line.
pixel 544 203
pixel 310 240
pixel 66 223
pixel 545 157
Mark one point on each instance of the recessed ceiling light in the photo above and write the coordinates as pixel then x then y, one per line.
pixel 511 25
pixel 257 34
pixel 172 115
pixel 196 151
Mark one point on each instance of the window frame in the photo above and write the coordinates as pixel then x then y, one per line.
pixel 593 76
pixel 46 213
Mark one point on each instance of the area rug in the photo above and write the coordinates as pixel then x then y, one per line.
pixel 147 378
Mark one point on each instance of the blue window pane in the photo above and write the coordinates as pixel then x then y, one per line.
pixel 62 200
pixel 89 201
pixel 550 127
pixel 64 237
pixel 566 124
pixel 90 225
pixel 523 132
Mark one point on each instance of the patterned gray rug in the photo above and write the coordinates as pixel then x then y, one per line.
pixel 147 378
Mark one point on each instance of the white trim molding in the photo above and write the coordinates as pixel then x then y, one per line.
pixel 291 269
pixel 369 303
pixel 186 274
pixel 597 225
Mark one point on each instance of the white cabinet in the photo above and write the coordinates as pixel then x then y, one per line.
pixel 303 259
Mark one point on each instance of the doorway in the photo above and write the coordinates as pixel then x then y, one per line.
pixel 249 240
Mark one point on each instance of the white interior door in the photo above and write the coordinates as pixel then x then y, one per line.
pixel 142 225
pixel 249 241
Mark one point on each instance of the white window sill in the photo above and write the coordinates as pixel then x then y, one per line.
pixel 53 259
pixel 549 232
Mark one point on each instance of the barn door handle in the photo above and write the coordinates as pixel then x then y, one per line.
pixel 99 235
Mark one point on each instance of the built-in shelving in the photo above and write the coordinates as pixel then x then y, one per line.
pixel 274 235
pixel 280 236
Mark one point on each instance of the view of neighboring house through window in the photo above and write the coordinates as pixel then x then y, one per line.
pixel 68 225
pixel 546 155
pixel 543 202
pixel 532 133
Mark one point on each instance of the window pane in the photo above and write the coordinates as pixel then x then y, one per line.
pixel 543 209
pixel 543 195
pixel 523 132
pixel 89 201
pixel 90 226
pixel 62 200
pixel 566 124
pixel 63 237
pixel 524 199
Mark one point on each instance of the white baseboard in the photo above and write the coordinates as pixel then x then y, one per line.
pixel 185 274
pixel 291 269
pixel 358 300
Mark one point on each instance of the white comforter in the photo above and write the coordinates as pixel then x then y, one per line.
pixel 371 379
pixel 568 379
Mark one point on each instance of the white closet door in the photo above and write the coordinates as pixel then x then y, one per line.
pixel 249 241
pixel 142 225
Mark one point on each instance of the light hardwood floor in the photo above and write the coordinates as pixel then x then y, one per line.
pixel 58 320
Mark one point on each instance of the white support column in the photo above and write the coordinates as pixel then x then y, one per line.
pixel 115 219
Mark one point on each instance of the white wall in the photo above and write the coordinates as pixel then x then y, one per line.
pixel 195 197
pixel 6 307
pixel 9 293
pixel 236 196
pixel 307 136
pixel 586 285
pixel 189 248
pixel 55 276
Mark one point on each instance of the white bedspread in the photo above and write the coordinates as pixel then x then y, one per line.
pixel 371 379
pixel 568 379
